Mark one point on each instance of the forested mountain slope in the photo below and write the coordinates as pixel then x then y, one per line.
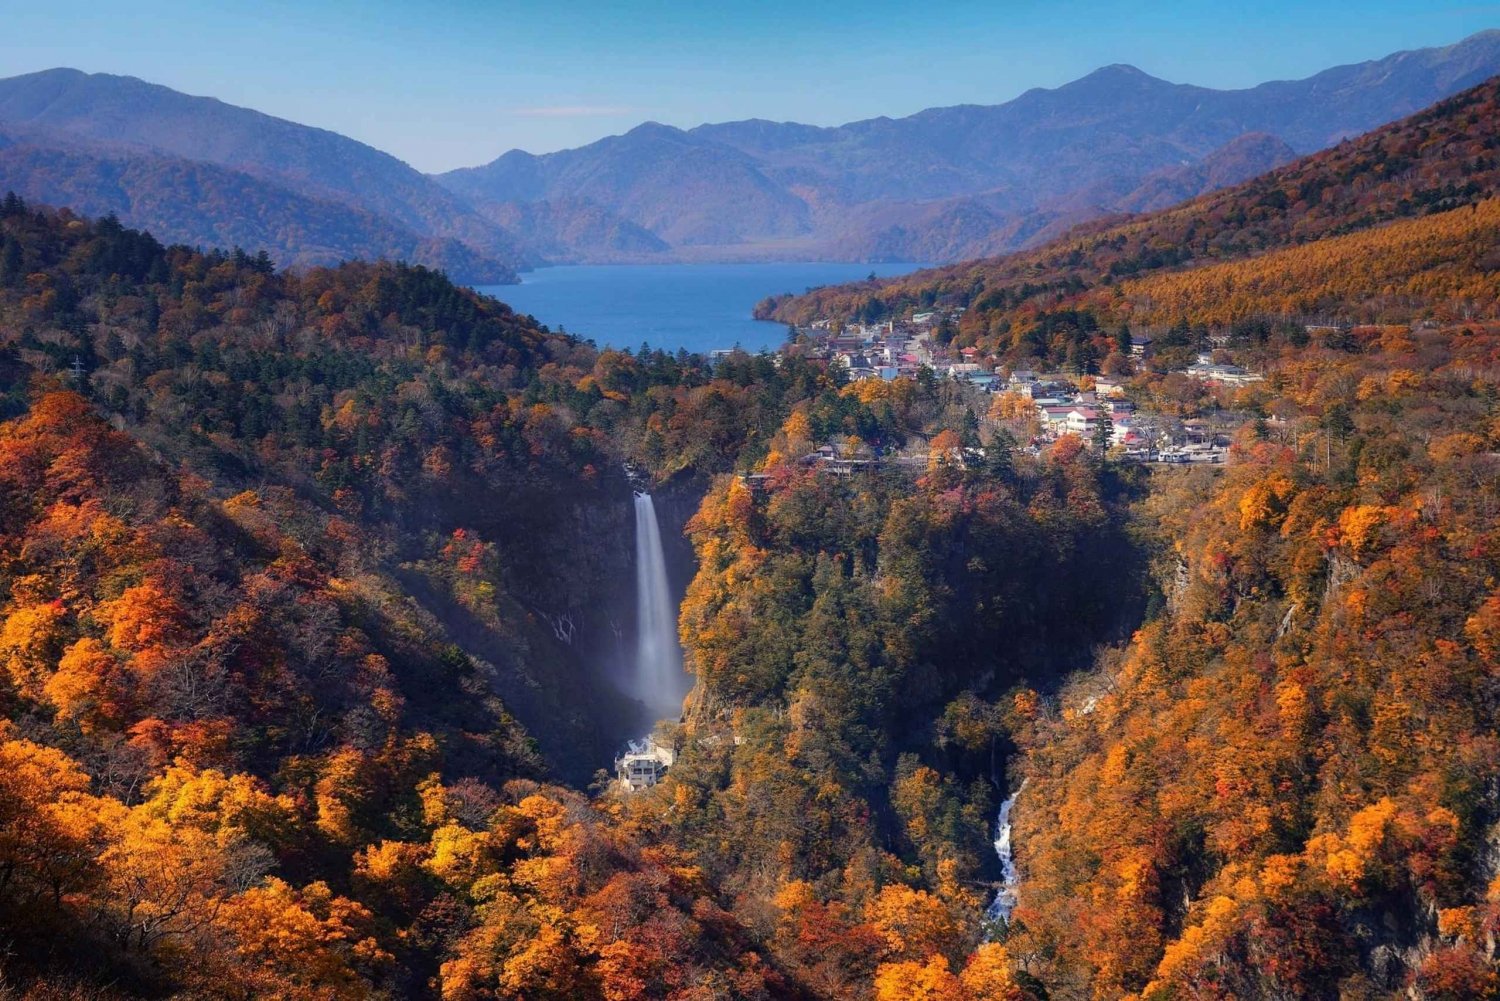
pixel 396 403
pixel 127 115
pixel 1286 784
pixel 199 203
pixel 1434 167
pixel 307 581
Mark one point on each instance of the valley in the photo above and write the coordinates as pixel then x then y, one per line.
pixel 1105 609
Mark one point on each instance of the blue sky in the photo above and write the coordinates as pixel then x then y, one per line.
pixel 448 84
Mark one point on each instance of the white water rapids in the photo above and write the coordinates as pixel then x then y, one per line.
pixel 1010 879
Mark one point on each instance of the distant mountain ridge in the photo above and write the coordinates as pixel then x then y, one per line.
pixel 203 204
pixel 133 118
pixel 940 185
pixel 1419 194
pixel 971 179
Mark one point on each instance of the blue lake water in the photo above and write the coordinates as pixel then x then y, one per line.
pixel 700 307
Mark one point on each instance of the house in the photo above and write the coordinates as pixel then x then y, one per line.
pixel 975 376
pixel 1051 392
pixel 1139 343
pixel 1054 418
pixel 644 763
pixel 1081 420
pixel 1106 385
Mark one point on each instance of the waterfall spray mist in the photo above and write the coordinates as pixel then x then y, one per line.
pixel 658 678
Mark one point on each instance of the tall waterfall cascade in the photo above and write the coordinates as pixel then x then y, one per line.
pixel 1010 880
pixel 657 679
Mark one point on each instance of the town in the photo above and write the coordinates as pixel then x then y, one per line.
pixel 1046 405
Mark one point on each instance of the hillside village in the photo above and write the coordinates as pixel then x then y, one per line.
pixel 1060 403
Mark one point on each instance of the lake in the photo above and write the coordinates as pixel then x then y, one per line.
pixel 700 307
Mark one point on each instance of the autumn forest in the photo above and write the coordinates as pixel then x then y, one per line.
pixel 310 592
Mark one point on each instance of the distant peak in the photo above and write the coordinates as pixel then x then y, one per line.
pixel 71 74
pixel 1119 71
pixel 57 71
pixel 654 129
pixel 1105 82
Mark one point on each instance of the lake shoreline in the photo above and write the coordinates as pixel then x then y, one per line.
pixel 696 307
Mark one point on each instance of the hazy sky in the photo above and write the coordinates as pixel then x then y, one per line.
pixel 448 84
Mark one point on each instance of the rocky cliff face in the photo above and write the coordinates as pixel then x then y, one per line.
pixel 582 629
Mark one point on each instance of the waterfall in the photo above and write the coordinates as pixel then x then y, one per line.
pixel 657 680
pixel 1005 897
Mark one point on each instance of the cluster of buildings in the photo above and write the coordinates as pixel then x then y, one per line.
pixel 892 350
pixel 1062 408
pixel 901 349
pixel 644 763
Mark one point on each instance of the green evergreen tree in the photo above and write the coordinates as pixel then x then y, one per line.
pixel 1104 430
pixel 999 457
pixel 968 433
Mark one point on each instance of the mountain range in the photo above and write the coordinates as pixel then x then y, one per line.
pixel 99 142
pixel 1393 225
pixel 950 183
pixel 942 184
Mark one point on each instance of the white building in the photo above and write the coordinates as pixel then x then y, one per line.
pixel 1225 375
pixel 643 764
pixel 1082 420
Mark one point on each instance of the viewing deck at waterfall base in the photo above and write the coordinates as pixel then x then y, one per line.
pixel 644 763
